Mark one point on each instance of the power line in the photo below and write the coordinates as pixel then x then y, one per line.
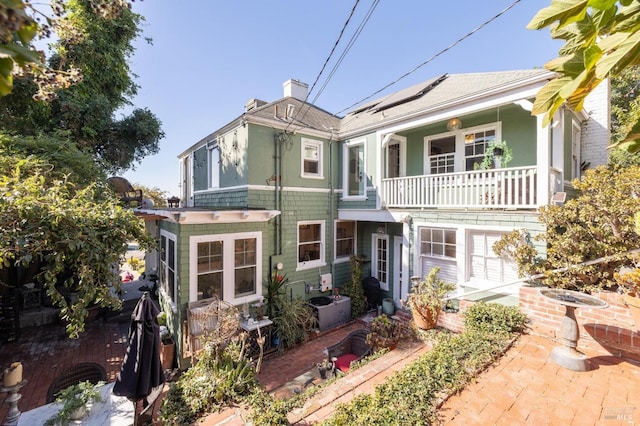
pixel 335 45
pixel 354 37
pixel 470 33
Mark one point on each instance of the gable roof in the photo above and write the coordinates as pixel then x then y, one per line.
pixel 294 114
pixel 436 94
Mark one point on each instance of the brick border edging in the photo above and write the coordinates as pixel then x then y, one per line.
pixel 323 403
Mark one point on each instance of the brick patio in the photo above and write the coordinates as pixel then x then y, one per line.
pixel 523 387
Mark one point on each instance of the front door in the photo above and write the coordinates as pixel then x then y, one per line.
pixel 400 269
pixel 380 259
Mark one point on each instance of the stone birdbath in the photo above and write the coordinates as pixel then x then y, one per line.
pixel 567 355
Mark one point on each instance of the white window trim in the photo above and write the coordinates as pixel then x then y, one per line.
pixel 228 284
pixel 170 236
pixel 301 266
pixel 374 259
pixel 459 157
pixel 438 256
pixel 402 142
pixel 211 147
pixel 343 259
pixel 319 145
pixel 345 170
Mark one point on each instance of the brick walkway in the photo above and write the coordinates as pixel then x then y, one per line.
pixel 526 387
pixel 523 387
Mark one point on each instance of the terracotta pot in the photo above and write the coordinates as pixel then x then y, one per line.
pixel 633 302
pixel 167 354
pixel 425 320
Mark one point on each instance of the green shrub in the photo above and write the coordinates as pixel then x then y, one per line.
pixel 492 317
pixel 598 222
pixel 410 396
pixel 221 376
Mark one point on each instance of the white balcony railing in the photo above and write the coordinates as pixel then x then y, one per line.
pixel 514 187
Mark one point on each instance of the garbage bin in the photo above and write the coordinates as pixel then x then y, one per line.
pixel 388 306
pixel 371 287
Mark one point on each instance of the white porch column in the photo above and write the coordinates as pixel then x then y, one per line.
pixel 543 161
pixel 381 142
pixel 557 140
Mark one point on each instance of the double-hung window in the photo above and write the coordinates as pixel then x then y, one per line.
pixel 226 266
pixel 442 153
pixel 311 158
pixel 210 270
pixel 475 144
pixel 168 264
pixel 345 239
pixel 354 181
pixel 310 244
pixel 438 242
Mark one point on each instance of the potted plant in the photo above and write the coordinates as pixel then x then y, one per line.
pixel 496 156
pixel 323 367
pixel 74 400
pixel 427 297
pixel 385 333
pixel 167 344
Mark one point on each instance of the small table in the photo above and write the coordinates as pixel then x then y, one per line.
pixel 113 410
pixel 252 327
pixel 568 355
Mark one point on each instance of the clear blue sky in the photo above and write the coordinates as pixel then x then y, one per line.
pixel 209 57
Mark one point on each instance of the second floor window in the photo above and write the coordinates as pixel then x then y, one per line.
pixel 354 178
pixel 442 153
pixel 475 145
pixel 214 165
pixel 311 158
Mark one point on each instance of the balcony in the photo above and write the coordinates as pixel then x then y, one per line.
pixel 509 188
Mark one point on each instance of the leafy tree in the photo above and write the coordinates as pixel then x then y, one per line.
pixel 64 160
pixel 76 232
pixel 598 222
pixel 22 23
pixel 601 41
pixel 99 49
pixel 155 194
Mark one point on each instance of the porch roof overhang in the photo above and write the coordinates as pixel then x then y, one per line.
pixel 441 111
pixel 374 215
pixel 190 216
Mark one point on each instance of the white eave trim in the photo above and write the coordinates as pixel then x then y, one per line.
pixel 193 217
pixel 284 125
pixel 457 107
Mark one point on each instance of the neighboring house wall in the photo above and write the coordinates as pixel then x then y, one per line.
pixel 595 131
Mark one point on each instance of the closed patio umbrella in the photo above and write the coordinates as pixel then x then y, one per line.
pixel 141 375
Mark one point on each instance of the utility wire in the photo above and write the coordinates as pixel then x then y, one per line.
pixel 335 45
pixel 352 41
pixel 470 33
